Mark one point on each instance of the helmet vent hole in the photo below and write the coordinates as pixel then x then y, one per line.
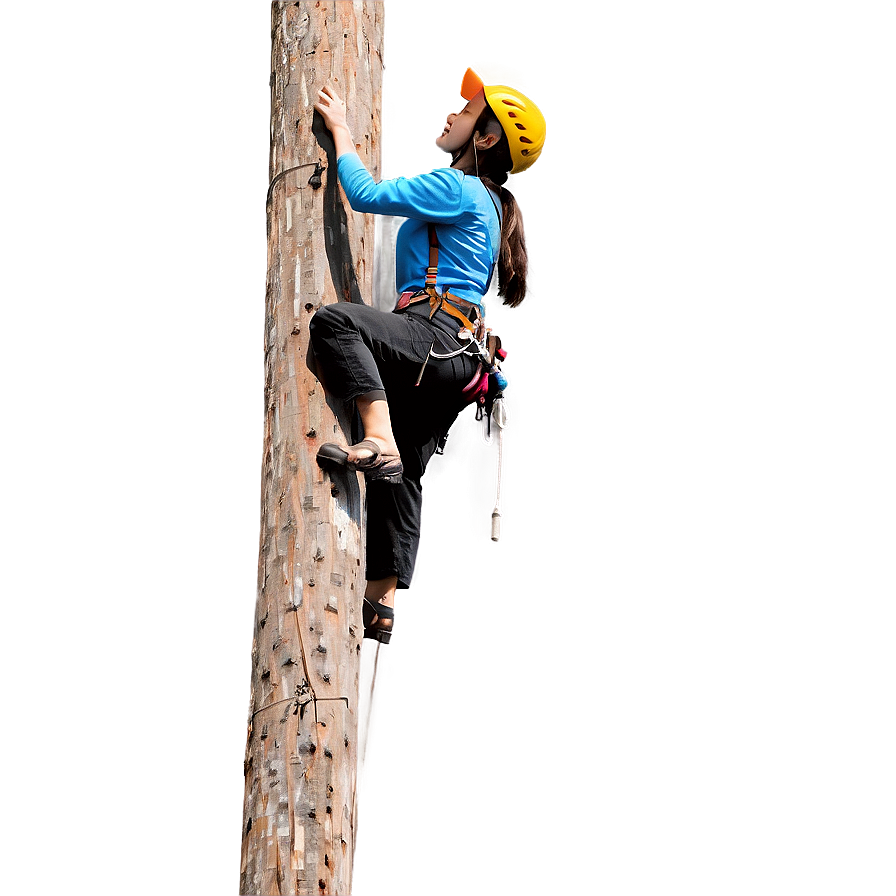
pixel 525 140
pixel 511 115
pixel 512 103
pixel 524 152
pixel 520 127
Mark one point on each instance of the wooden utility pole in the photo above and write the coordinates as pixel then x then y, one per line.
pixel 302 749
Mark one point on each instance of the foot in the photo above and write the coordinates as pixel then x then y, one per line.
pixel 378 619
pixel 376 461
pixel 370 449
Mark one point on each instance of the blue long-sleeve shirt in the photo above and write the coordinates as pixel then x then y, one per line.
pixel 462 209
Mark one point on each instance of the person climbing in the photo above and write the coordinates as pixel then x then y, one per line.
pixel 410 372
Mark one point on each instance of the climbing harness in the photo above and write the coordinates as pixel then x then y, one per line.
pixel 475 340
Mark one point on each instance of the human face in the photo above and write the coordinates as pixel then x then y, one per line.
pixel 460 125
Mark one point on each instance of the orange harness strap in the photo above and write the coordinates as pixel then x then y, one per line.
pixel 445 301
pixel 433 269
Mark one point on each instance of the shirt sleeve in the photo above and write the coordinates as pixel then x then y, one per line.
pixel 435 197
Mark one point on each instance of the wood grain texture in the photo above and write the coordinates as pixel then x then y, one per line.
pixel 301 754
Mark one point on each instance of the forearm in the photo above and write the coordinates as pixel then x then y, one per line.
pixel 342 137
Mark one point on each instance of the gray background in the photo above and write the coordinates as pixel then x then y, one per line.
pixel 675 673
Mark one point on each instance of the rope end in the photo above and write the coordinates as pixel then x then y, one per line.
pixel 496 526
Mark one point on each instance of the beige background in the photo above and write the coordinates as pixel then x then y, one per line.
pixel 674 672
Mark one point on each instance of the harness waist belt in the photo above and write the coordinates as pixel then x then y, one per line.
pixel 446 302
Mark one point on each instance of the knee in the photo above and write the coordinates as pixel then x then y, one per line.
pixel 331 321
pixel 322 322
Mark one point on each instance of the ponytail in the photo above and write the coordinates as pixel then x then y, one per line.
pixel 513 260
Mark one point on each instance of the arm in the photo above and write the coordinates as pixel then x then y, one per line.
pixel 432 197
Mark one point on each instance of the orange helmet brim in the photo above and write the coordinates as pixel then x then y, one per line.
pixel 471 85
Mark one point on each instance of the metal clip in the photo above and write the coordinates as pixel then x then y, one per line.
pixel 487 434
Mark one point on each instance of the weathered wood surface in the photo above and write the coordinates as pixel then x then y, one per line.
pixel 301 754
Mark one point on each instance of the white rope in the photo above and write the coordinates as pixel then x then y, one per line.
pixel 499 415
pixel 362 758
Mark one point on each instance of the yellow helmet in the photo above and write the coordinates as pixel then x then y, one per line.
pixel 521 120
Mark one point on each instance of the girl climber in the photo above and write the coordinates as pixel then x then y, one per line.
pixel 411 372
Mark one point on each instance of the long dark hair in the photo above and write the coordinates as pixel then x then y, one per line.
pixel 493 166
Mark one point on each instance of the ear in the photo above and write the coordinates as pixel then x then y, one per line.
pixel 485 141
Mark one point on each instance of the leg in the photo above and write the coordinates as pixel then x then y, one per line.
pixel 394 512
pixel 382 590
pixel 377 423
pixel 377 455
pixel 367 354
pixel 358 349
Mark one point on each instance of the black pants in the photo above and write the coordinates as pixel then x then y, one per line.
pixel 361 350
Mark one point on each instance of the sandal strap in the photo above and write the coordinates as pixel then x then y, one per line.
pixel 381 610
